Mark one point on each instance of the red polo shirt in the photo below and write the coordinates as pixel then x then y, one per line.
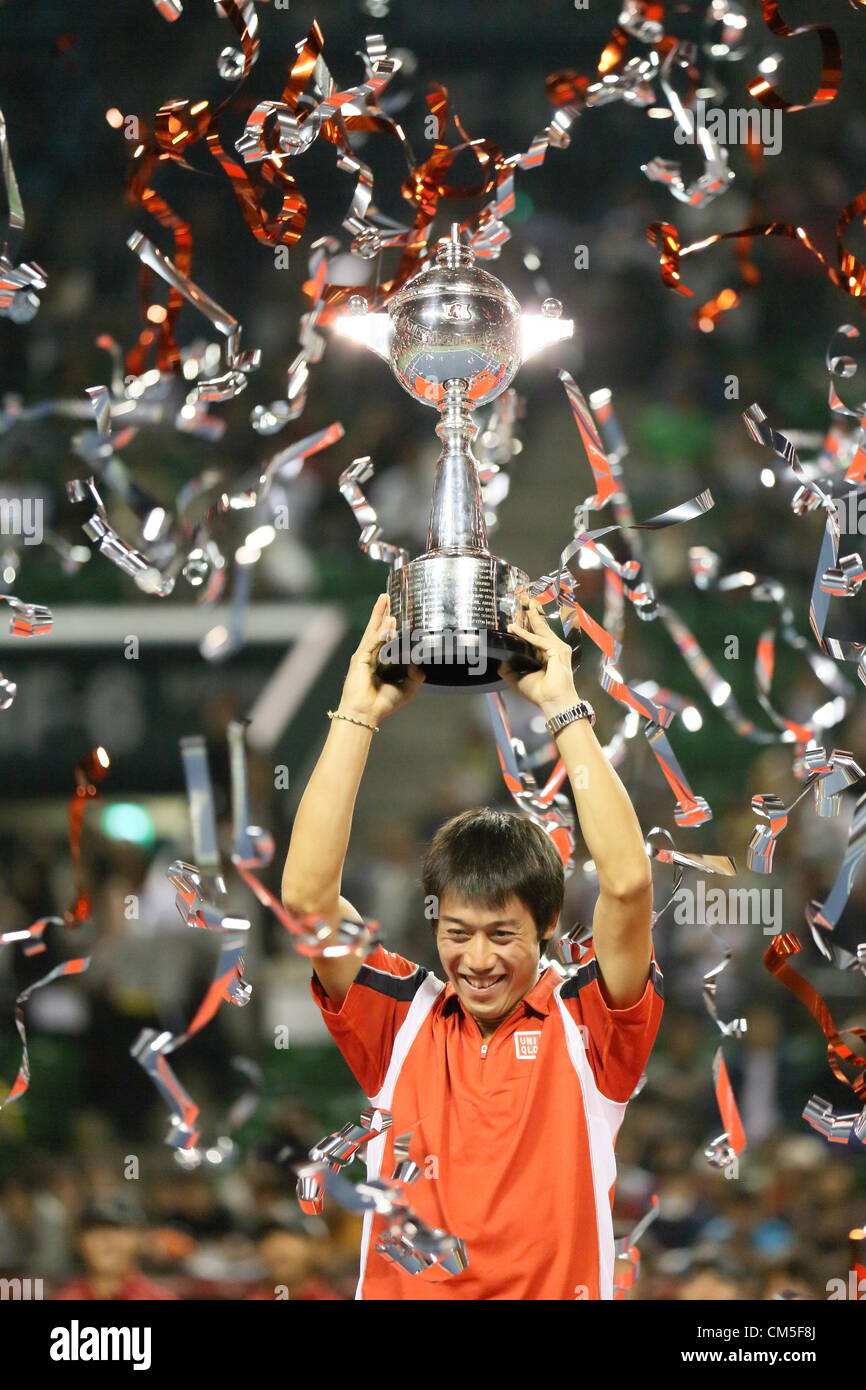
pixel 312 1290
pixel 515 1137
pixel 136 1287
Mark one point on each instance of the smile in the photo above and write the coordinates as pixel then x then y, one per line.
pixel 481 986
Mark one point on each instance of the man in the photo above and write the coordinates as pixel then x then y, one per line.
pixel 512 1081
pixel 711 1281
pixel 288 1258
pixel 109 1239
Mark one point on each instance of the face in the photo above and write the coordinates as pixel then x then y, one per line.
pixel 286 1257
pixel 708 1286
pixel 109 1250
pixel 490 955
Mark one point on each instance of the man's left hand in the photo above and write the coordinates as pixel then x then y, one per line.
pixel 552 687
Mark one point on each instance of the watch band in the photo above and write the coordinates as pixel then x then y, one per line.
pixel 582 710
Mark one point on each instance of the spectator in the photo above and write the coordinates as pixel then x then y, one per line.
pixel 286 1252
pixel 109 1239
pixel 711 1281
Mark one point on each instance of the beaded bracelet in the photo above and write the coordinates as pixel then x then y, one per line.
pixel 335 714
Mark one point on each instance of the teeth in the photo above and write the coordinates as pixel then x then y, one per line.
pixel 481 984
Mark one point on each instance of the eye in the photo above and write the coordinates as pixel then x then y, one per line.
pixel 504 935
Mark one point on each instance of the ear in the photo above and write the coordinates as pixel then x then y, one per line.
pixel 550 928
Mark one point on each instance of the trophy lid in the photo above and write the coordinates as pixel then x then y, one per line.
pixel 453 321
pixel 453 271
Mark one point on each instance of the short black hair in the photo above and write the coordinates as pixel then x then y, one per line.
pixel 284 1226
pixel 721 1266
pixel 116 1212
pixel 485 856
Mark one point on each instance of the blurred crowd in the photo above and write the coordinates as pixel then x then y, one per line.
pixel 781 1231
pixel 196 1238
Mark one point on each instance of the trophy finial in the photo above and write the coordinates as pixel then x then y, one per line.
pixel 452 252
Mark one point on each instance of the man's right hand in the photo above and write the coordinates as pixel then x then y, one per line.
pixel 366 695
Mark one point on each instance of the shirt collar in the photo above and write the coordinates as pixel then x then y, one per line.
pixel 537 1000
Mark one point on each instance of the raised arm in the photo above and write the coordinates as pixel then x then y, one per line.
pixel 622 922
pixel 320 836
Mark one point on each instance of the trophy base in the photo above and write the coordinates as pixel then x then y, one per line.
pixel 461 660
pixel 453 609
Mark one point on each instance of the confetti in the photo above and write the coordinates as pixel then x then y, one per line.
pixel 18 284
pixel 406 1240
pixel 22 1079
pixel 88 773
pixel 831 63
pixel 839 1054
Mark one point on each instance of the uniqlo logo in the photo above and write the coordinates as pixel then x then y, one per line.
pixel 526 1045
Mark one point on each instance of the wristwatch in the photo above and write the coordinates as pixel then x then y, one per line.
pixel 582 710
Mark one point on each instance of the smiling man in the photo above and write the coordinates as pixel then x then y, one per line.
pixel 512 1081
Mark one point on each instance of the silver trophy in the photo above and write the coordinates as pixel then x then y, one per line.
pixel 454 337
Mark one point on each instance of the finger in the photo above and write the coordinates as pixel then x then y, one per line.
pixel 534 618
pixel 415 678
pixel 537 617
pixel 544 643
pixel 374 622
pixel 505 672
pixel 371 654
pixel 541 627
pixel 386 633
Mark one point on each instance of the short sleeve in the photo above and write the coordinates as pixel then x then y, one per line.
pixel 618 1042
pixel 365 1025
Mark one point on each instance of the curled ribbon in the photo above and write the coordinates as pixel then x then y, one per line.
pixel 831 63
pixel 406 1240
pixel 18 284
pixel 838 1052
pixel 153 1046
pixel 627 1249
pixel 66 967
pixel 849 274
pixel 28 620
pixel 546 805
pixel 361 471
pixel 727 1147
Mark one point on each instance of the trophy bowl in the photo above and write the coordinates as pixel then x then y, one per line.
pixel 455 321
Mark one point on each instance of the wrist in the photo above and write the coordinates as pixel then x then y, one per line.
pixel 558 705
pixel 358 704
pixel 354 716
pixel 580 712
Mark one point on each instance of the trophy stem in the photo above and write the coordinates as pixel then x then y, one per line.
pixel 456 512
